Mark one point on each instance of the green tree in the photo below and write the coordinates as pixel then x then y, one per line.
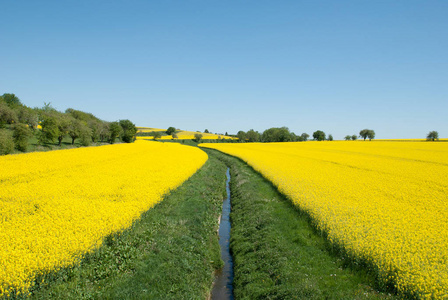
pixel 174 136
pixel 241 135
pixel 114 131
pixel 432 136
pixel 28 116
pixel 305 136
pixel 156 135
pixel 348 137
pixel 170 130
pixel 206 131
pixel 330 137
pixel 319 135
pixel 6 142
pixel 197 137
pixel 354 137
pixel 11 100
pixel 7 114
pixel 367 133
pixel 253 136
pixel 50 130
pixel 79 129
pixel 63 123
pixel 21 135
pixel 128 131
pixel 276 134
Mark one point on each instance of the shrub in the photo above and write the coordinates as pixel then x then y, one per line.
pixel 6 142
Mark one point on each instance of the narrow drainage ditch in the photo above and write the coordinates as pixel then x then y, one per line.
pixel 223 285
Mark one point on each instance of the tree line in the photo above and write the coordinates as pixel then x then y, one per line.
pixel 20 123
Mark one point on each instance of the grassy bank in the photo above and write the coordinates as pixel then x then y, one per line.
pixel 170 253
pixel 277 253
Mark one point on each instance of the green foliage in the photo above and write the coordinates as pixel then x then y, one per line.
pixel 170 130
pixel 114 131
pixel 50 130
pixel 253 136
pixel 28 116
pixel 305 136
pixel 277 134
pixel 21 135
pixel 206 131
pixel 6 142
pixel 128 131
pixel 241 135
pixel 197 137
pixel 156 134
pixel 7 114
pixel 432 136
pixel 367 133
pixel 348 137
pixel 354 137
pixel 11 100
pixel 330 137
pixel 319 135
pixel 79 129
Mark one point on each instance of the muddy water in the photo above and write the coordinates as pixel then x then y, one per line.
pixel 223 288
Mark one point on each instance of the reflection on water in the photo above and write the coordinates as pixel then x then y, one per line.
pixel 223 288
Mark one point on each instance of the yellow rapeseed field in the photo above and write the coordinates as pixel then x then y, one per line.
pixel 386 203
pixel 56 206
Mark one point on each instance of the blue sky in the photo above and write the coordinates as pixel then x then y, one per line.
pixel 336 66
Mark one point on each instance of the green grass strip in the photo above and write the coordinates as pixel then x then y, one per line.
pixel 277 252
pixel 170 253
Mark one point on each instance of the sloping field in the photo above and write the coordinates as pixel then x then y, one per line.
pixel 56 206
pixel 385 203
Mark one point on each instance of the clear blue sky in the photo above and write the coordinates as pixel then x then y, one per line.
pixel 336 66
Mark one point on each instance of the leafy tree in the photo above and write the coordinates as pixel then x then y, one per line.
pixel 128 131
pixel 6 142
pixel 305 136
pixel 7 114
pixel 348 137
pixel 103 131
pixel 28 116
pixel 432 136
pixel 354 137
pixel 206 131
pixel 241 135
pixel 330 137
pixel 79 129
pixel 197 137
pixel 11 100
pixel 63 123
pixel 174 136
pixel 276 134
pixel 367 133
pixel 21 135
pixel 114 131
pixel 157 135
pixel 253 136
pixel 170 130
pixel 319 135
pixel 50 130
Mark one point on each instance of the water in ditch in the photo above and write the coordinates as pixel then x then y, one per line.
pixel 223 288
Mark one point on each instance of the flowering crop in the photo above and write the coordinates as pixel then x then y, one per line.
pixel 386 203
pixel 56 206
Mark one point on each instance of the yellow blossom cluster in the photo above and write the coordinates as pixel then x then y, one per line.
pixel 56 206
pixel 385 203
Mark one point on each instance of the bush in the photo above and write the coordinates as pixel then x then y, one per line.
pixel 21 135
pixel 6 142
